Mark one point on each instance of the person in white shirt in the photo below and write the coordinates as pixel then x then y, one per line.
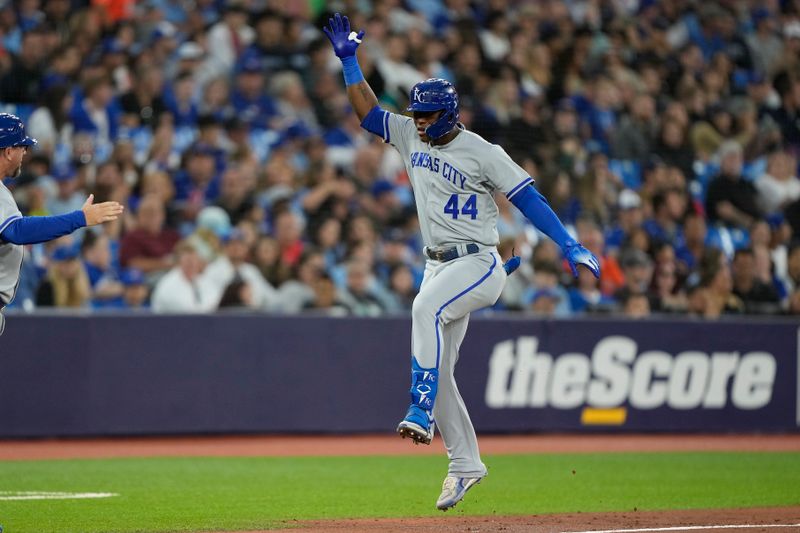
pixel 226 41
pixel 184 289
pixel 779 186
pixel 232 263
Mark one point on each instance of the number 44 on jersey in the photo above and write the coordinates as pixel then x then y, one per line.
pixel 469 208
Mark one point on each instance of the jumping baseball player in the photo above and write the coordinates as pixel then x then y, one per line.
pixel 454 173
pixel 17 230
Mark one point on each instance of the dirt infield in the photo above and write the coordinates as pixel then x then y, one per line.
pixel 776 520
pixel 757 519
pixel 249 446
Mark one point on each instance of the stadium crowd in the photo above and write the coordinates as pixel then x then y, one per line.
pixel 665 134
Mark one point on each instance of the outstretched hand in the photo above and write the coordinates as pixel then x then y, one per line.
pixel 99 213
pixel 576 255
pixel 344 41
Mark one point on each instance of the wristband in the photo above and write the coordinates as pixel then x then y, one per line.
pixel 351 70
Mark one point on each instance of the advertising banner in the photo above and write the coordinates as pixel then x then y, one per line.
pixel 133 375
pixel 643 376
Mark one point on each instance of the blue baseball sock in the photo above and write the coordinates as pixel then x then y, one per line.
pixel 424 384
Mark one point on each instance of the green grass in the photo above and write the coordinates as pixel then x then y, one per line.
pixel 202 494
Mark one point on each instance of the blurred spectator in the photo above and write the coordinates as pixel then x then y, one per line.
pixel 249 100
pixel 695 235
pixel 402 287
pixel 135 291
pixel 288 233
pixel 730 198
pixel 787 85
pixel 236 196
pixel 20 83
pixel 673 147
pixel 585 296
pixel 765 45
pixel 238 294
pixel 66 283
pixel 268 260
pixel 667 293
pixel 198 183
pixel 717 285
pixel 183 289
pixel 228 38
pixel 666 128
pixel 297 292
pixel 779 186
pixel 546 284
pixel 636 305
pixel 326 298
pixel 357 296
pixel 634 137
pixel 637 267
pixel 758 297
pixel 49 123
pixel 669 207
pixel 96 113
pixel 68 198
pixel 97 261
pixel 544 302
pixel 144 103
pixel 149 246
pixel 592 238
pixel 233 265
pixel 629 217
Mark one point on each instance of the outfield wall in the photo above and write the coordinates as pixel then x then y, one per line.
pixel 148 374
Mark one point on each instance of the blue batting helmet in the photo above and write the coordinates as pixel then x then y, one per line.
pixel 12 132
pixel 436 94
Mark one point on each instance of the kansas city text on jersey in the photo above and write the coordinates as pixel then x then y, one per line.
pixel 434 164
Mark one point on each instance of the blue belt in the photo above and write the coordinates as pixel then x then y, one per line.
pixel 448 254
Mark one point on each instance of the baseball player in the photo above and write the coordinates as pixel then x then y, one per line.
pixel 15 229
pixel 454 174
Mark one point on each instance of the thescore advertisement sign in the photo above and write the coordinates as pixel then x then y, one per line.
pixel 641 376
pixel 99 375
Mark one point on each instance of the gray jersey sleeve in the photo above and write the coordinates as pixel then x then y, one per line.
pixel 394 129
pixel 503 173
pixel 400 129
pixel 8 208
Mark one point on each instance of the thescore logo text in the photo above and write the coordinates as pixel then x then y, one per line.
pixel 617 374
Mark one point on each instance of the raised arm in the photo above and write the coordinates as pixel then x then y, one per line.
pixel 534 206
pixel 345 42
pixel 33 230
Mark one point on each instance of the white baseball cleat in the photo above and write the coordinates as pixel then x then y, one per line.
pixel 453 490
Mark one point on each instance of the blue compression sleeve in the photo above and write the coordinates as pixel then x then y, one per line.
pixel 33 230
pixel 377 122
pixel 534 206
pixel 352 71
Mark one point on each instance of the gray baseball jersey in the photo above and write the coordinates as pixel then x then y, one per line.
pixel 10 254
pixel 454 186
pixel 454 183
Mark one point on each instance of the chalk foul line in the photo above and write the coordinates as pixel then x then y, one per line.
pixel 15 495
pixel 687 528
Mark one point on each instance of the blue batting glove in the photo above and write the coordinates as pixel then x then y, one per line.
pixel 576 255
pixel 343 40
